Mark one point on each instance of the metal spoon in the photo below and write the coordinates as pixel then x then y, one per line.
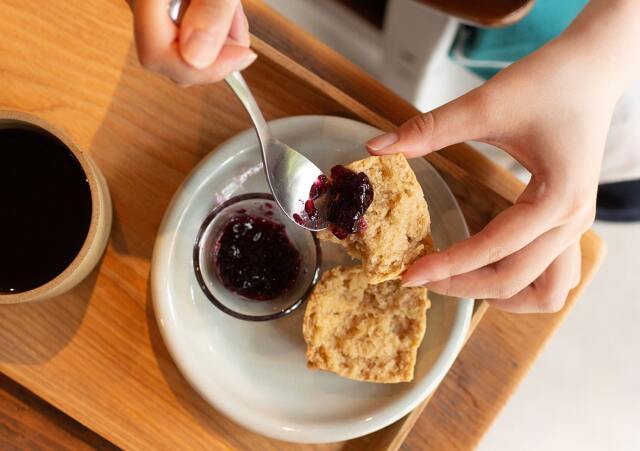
pixel 289 173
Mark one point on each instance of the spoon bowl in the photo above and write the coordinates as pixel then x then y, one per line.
pixel 290 177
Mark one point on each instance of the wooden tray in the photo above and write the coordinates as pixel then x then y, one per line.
pixel 96 353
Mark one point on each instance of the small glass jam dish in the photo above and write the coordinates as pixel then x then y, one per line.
pixel 252 262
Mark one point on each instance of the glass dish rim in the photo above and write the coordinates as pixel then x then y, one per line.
pixel 203 286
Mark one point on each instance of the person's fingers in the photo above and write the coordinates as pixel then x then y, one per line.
pixel 156 41
pixel 507 233
pixel 510 275
pixel 204 30
pixel 549 292
pixel 239 30
pixel 463 119
pixel 154 32
pixel 577 277
pixel 231 58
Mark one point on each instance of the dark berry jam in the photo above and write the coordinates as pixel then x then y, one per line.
pixel 350 194
pixel 255 258
pixel 310 209
pixel 319 187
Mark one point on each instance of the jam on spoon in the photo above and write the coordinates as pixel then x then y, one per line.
pixel 255 258
pixel 349 195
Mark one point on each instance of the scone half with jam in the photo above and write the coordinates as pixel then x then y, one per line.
pixel 396 224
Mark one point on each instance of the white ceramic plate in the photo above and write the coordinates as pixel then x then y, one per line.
pixel 255 373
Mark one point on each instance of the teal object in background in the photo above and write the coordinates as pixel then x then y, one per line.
pixel 485 51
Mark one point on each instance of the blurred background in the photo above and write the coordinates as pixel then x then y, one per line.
pixel 584 391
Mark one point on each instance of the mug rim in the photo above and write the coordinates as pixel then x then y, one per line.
pixel 32 121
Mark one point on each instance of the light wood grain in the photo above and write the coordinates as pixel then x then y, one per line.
pixel 28 422
pixel 96 353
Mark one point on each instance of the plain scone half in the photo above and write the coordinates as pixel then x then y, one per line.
pixel 398 223
pixel 364 332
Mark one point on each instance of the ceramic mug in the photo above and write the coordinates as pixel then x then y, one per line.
pixel 100 222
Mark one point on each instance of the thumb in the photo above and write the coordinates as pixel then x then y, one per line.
pixel 460 120
pixel 204 30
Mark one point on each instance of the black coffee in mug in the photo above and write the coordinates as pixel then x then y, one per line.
pixel 45 208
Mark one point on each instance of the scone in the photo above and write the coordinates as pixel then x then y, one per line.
pixel 361 331
pixel 397 220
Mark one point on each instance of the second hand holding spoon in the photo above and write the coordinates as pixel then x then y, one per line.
pixel 290 174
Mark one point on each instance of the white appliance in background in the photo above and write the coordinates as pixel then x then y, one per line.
pixel 409 54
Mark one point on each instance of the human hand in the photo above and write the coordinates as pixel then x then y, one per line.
pixel 545 112
pixel 211 41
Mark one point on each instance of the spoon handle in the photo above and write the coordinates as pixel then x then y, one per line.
pixel 236 82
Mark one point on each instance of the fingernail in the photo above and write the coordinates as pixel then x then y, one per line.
pixel 246 61
pixel 198 49
pixel 414 283
pixel 383 141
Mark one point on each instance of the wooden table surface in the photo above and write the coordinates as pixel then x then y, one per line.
pixel 490 367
